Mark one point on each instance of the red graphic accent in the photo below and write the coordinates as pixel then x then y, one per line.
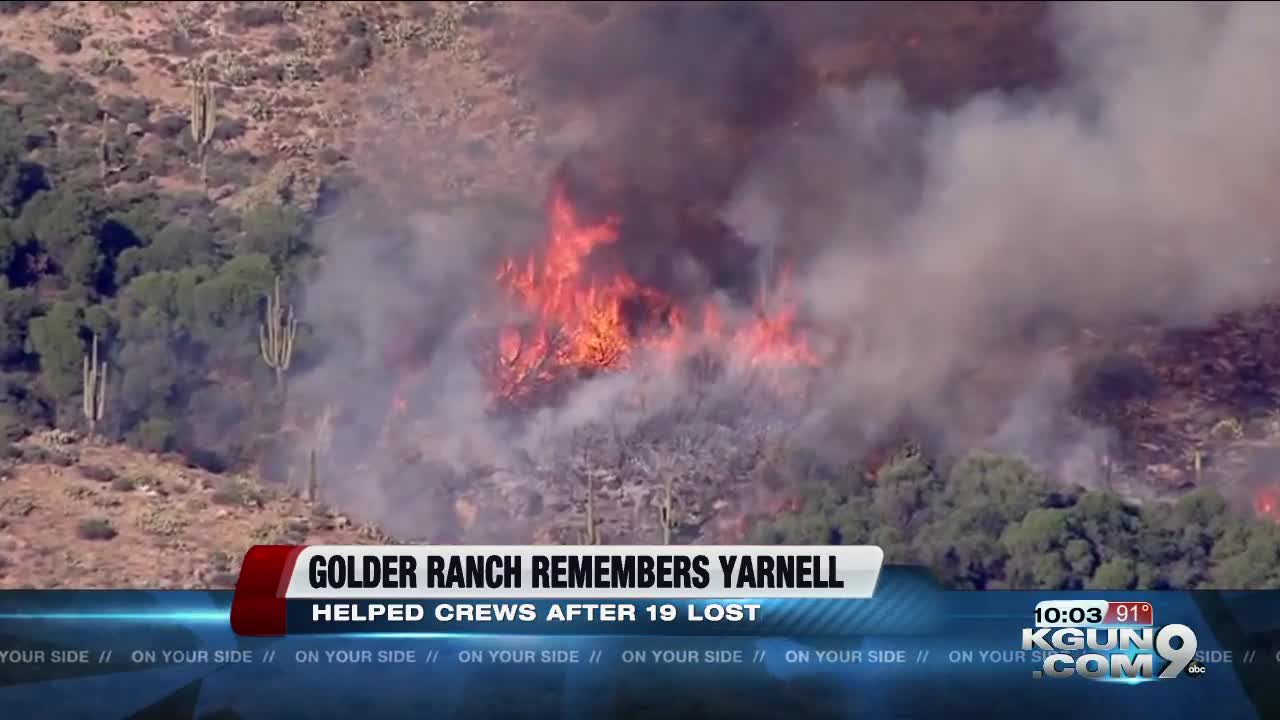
pixel 1129 613
pixel 258 606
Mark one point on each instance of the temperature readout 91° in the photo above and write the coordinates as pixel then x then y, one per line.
pixel 1093 613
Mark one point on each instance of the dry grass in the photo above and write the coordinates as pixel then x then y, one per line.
pixel 163 527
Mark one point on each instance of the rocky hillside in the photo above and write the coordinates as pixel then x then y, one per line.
pixel 122 230
pixel 75 514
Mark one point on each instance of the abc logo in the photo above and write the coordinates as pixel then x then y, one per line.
pixel 1196 669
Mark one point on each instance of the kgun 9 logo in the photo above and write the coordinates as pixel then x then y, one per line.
pixel 1114 653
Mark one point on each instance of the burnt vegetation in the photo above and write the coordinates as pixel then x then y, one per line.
pixel 191 307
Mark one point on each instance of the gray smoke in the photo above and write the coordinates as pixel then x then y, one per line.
pixel 928 246
pixel 1135 191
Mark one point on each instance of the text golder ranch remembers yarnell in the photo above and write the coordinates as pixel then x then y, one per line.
pixel 573 572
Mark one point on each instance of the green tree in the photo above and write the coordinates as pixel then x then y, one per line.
pixel 905 487
pixel 1115 574
pixel 59 219
pixel 827 516
pixel 55 338
pixel 17 307
pixel 85 265
pixel 22 408
pixel 159 305
pixel 231 297
pixel 1257 565
pixel 13 168
pixel 1034 548
pixel 273 230
pixel 99 321
pixel 1106 521
pixel 151 382
pixel 12 249
pixel 984 494
pixel 176 247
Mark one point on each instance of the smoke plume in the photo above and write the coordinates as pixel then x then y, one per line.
pixel 1135 191
pixel 929 247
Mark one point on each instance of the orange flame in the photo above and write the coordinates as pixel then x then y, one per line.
pixel 1267 503
pixel 579 323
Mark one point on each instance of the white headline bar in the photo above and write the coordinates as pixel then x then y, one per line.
pixel 587 571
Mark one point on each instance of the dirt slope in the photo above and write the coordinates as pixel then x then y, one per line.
pixel 76 515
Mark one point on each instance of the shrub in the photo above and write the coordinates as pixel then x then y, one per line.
pixel 180 43
pixel 52 456
pixel 97 473
pixel 224 170
pixel 66 40
pixel 256 15
pixel 238 493
pixel 273 230
pixel 287 41
pixel 13 7
pixel 223 580
pixel 161 522
pixel 128 110
pixel 170 126
pixel 120 74
pixel 21 406
pixel 80 109
pixel 96 529
pixel 64 84
pixel 270 74
pixel 79 492
pixel 124 484
pixel 221 561
pixel 155 435
pixel 16 506
pixel 357 56
pixel 21 61
pixel 229 129
pixel 306 72
pixel 359 28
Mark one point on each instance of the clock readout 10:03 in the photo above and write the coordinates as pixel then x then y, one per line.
pixel 1100 613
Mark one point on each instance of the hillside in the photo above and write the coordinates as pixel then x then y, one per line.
pixel 372 167
pixel 74 514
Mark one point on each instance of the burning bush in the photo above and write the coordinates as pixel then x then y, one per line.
pixel 581 321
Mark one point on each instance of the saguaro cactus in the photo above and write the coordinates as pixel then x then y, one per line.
pixel 94 395
pixel 667 510
pixel 104 154
pixel 203 117
pixel 313 481
pixel 276 334
pixel 590 535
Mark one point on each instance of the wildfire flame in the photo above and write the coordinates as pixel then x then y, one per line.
pixel 583 324
pixel 1267 503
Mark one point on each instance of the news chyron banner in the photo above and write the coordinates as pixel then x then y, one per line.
pixel 545 590
pixel 629 633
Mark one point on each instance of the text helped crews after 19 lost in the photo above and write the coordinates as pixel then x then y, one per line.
pixel 567 572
